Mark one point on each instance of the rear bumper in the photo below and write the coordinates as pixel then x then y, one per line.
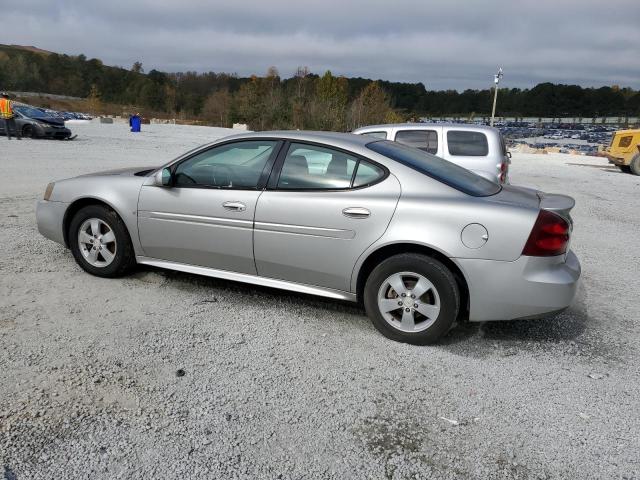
pixel 50 219
pixel 529 287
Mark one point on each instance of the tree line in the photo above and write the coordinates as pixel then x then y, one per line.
pixel 305 100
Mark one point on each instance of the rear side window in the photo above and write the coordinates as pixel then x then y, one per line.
pixel 380 135
pixel 312 167
pixel 467 144
pixel 367 174
pixel 425 140
pixel 625 141
pixel 435 167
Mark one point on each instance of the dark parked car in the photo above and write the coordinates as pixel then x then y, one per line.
pixel 35 123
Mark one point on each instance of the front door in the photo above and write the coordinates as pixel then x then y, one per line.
pixel 328 206
pixel 206 216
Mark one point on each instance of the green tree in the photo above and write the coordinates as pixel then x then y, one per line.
pixel 330 102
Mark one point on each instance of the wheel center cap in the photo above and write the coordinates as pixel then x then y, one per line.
pixel 408 302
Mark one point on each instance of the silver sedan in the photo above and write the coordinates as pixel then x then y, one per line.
pixel 419 241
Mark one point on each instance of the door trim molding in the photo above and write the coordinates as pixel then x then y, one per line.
pixel 196 219
pixel 336 233
pixel 248 278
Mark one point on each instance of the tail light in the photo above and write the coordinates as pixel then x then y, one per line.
pixel 503 171
pixel 549 236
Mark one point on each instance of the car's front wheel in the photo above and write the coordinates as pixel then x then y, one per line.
pixel 28 131
pixel 100 243
pixel 412 298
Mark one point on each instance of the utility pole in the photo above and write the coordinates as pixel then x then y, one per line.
pixel 496 81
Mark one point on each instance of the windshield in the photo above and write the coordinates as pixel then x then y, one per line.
pixel 436 167
pixel 30 112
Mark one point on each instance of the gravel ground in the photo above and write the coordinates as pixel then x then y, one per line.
pixel 169 375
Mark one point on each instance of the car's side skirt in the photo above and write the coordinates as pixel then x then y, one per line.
pixel 247 278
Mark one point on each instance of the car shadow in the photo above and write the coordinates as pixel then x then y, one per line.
pixel 570 331
pixel 187 281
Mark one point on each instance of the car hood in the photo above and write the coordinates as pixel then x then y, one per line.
pixel 138 171
pixel 58 122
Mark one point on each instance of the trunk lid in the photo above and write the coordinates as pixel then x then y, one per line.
pixel 527 197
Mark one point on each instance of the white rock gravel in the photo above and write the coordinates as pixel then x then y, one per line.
pixel 279 385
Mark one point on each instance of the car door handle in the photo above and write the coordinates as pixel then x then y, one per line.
pixel 235 206
pixel 356 212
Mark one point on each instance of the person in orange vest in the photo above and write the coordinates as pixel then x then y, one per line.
pixel 6 114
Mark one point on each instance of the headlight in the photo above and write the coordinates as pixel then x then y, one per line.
pixel 48 191
pixel 43 125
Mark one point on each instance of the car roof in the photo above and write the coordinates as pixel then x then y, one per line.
pixel 343 139
pixel 461 126
pixel 628 132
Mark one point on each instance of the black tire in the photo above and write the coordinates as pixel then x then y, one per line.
pixel 625 168
pixel 28 131
pixel 635 165
pixel 124 259
pixel 434 271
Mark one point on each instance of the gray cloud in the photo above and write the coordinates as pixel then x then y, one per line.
pixel 444 44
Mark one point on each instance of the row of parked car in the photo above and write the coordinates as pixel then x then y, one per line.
pixel 33 122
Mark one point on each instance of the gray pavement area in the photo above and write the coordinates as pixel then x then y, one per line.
pixel 168 375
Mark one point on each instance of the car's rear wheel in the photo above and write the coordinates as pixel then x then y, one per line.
pixel 635 165
pixel 100 243
pixel 412 298
pixel 28 131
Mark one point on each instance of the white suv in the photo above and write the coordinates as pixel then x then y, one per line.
pixel 478 148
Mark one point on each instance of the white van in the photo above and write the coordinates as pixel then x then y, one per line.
pixel 478 148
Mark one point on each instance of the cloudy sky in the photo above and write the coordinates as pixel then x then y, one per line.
pixel 442 43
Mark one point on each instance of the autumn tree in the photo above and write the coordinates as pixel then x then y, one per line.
pixel 137 67
pixel 217 108
pixel 93 100
pixel 300 98
pixel 372 106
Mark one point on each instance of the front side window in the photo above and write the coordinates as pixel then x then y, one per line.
pixel 426 140
pixel 467 144
pixel 435 167
pixel 380 135
pixel 234 165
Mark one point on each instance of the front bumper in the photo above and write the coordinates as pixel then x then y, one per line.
pixel 53 132
pixel 50 219
pixel 612 159
pixel 526 288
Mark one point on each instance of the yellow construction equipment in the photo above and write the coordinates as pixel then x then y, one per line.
pixel 624 151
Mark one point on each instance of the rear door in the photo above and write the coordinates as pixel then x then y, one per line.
pixel 206 217
pixel 322 209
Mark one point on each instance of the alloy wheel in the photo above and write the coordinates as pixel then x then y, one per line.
pixel 409 302
pixel 97 242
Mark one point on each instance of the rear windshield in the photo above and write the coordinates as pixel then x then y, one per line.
pixel 436 167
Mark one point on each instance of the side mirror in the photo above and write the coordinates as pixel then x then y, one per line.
pixel 163 178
